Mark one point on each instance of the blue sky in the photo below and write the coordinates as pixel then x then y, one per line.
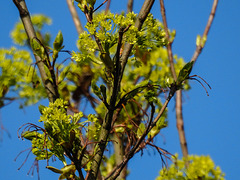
pixel 211 123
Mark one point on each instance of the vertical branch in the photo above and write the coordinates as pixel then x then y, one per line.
pixel 169 45
pixel 106 126
pixel 75 17
pixel 118 145
pixel 28 26
pixel 205 33
pixel 179 115
pixel 146 7
pixel 130 6
pixel 180 125
pixel 119 153
pixel 108 6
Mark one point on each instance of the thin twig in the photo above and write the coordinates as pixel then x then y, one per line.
pixel 107 6
pixel 201 84
pixel 169 45
pixel 75 17
pixel 201 79
pixel 178 106
pixel 205 33
pixel 100 6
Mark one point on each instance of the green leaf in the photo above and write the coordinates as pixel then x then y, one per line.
pixel 91 3
pixel 184 73
pixel 140 130
pixel 131 94
pixel 53 169
pixel 37 48
pixel 57 44
pixel 41 108
pixel 161 123
pixel 30 135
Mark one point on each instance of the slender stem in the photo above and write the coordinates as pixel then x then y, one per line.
pixel 178 106
pixel 107 6
pixel 75 17
pixel 169 45
pixel 205 33
pixel 100 6
pixel 27 23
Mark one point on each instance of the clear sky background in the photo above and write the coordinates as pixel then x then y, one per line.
pixel 211 123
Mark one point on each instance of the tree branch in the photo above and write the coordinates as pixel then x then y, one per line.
pixel 169 45
pixel 28 26
pixel 205 33
pixel 178 106
pixel 106 127
pixel 100 6
pixel 118 145
pixel 130 6
pixel 107 6
pixel 119 153
pixel 146 7
pixel 75 17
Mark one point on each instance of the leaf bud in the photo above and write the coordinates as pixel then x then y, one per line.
pixel 37 48
pixel 58 41
pixel 184 73
pixel 30 135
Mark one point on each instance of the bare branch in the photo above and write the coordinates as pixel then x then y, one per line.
pixel 130 6
pixel 100 6
pixel 205 33
pixel 169 45
pixel 75 17
pixel 179 113
pixel 146 7
pixel 108 6
pixel 27 23
pixel 180 124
